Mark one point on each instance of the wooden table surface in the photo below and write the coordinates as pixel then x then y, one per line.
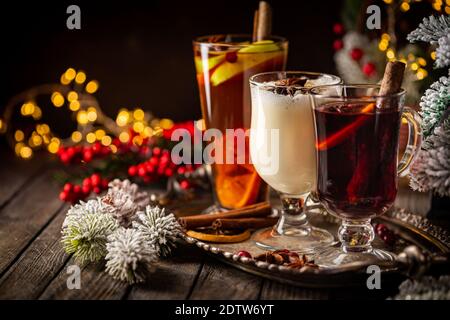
pixel 33 264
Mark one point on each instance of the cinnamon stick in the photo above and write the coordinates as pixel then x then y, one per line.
pixel 264 21
pixel 243 223
pixel 255 26
pixel 262 209
pixel 392 78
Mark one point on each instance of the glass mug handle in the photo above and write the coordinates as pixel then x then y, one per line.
pixel 414 140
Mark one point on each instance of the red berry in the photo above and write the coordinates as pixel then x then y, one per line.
pixel 184 184
pixel 338 44
pixel 231 56
pixel 96 180
pixel 68 187
pixel 86 182
pixel 369 69
pixel 154 161
pixel 244 253
pixel 63 196
pixel 86 189
pixel 141 171
pixel 132 171
pixel 149 168
pixel 338 28
pixel 168 172
pixel 356 54
pixel 105 183
pixel 70 152
pixel 88 155
pixel 146 179
pixel 97 190
pixel 64 157
pixel 181 170
pixel 97 148
pixel 156 151
pixel 77 189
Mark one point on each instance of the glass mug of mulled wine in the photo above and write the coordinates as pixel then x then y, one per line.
pixel 224 64
pixel 357 133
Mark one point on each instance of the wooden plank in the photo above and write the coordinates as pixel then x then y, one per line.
pixel 25 216
pixel 220 281
pixel 273 290
pixel 15 173
pixel 94 284
pixel 37 266
pixel 173 278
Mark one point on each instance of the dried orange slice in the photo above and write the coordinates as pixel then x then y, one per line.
pixel 237 185
pixel 220 238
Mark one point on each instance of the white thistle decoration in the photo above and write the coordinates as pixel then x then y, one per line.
pixel 160 229
pixel 443 52
pixel 85 235
pixel 427 288
pixel 129 255
pixel 140 198
pixel 77 211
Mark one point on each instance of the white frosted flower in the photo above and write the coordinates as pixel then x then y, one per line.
pixel 129 256
pixel 161 230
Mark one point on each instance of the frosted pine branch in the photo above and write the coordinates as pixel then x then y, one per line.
pixel 443 51
pixel 431 29
pixel 161 230
pixel 129 256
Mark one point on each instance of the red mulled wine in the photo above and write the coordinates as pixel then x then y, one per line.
pixel 357 158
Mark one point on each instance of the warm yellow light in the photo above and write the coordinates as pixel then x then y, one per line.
pixel 137 140
pixel 447 10
pixel 99 134
pixel 70 74
pixel 92 86
pixel 74 105
pixel 433 55
pixel 383 45
pixel 56 140
pixel 421 73
pixel 113 148
pixel 76 136
pixel 72 96
pixel 106 141
pixel 2 125
pixel 390 54
pixel 387 1
pixel 82 117
pixel 122 118
pixel 35 140
pixel 19 135
pixel 37 113
pixel 91 114
pixel 80 77
pixel 138 127
pixel 64 80
pixel 90 137
pixel 53 147
pixel 157 131
pixel 404 6
pixel 138 114
pixel 166 124
pixel 414 66
pixel 57 99
pixel 437 6
pixel 27 109
pixel 18 147
pixel 385 37
pixel 124 137
pixel 200 124
pixel 26 152
pixel 447 2
pixel 42 129
pixel 422 61
pixel 148 132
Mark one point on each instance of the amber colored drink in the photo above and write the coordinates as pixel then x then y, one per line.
pixel 224 65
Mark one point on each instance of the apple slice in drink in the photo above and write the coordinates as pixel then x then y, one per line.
pixel 246 58
pixel 209 63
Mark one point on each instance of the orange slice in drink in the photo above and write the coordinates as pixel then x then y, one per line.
pixel 236 185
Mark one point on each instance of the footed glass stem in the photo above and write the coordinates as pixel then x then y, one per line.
pixel 356 245
pixel 293 231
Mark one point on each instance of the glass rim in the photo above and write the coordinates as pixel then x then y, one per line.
pixel 202 40
pixel 310 73
pixel 313 91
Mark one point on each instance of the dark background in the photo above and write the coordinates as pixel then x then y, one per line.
pixel 141 53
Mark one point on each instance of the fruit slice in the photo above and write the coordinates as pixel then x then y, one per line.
pixel 208 63
pixel 244 61
pixel 236 185
pixel 220 238
pixel 261 46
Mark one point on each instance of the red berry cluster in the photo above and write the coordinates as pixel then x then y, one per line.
pixel 385 234
pixel 73 192
pixel 338 29
pixel 77 154
pixel 158 166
